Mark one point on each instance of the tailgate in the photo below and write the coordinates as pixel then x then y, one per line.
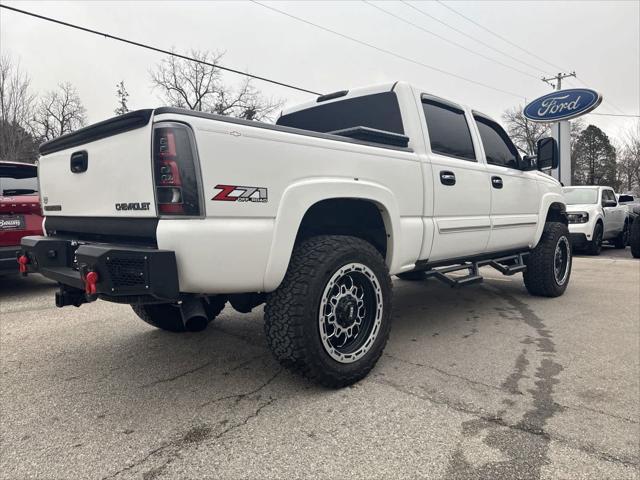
pixel 104 170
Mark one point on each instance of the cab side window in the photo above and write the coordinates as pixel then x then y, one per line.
pixel 608 195
pixel 498 147
pixel 448 130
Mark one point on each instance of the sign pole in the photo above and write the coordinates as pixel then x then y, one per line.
pixel 561 131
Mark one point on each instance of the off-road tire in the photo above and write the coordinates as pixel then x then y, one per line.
pixel 594 247
pixel 540 276
pixel 166 316
pixel 292 311
pixel 635 238
pixel 620 241
pixel 415 276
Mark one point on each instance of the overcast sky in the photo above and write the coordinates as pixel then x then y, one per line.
pixel 600 40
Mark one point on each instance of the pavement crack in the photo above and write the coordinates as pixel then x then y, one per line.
pixel 240 396
pixel 497 420
pixel 198 368
pixel 448 374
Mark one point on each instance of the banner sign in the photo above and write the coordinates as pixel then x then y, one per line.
pixel 562 105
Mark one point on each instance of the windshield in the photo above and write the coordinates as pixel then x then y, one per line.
pixel 577 196
pixel 15 181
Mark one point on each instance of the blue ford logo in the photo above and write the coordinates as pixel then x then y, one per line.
pixel 562 105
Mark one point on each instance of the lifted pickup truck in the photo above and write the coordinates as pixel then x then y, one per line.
pixel 177 212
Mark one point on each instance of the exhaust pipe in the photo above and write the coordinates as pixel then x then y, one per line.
pixel 194 317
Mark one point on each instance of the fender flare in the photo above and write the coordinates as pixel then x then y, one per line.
pixel 546 201
pixel 296 200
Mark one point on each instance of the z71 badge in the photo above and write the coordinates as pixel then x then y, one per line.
pixel 240 193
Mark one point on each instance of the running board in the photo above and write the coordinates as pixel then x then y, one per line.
pixel 509 265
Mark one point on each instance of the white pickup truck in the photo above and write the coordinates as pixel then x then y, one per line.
pixel 178 212
pixel 595 216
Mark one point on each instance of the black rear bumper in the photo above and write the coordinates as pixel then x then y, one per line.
pixel 125 273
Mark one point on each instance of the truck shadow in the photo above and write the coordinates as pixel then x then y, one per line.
pixel 16 285
pixel 233 351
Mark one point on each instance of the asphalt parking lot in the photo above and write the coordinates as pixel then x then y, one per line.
pixel 479 383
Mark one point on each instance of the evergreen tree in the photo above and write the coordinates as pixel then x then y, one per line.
pixel 594 159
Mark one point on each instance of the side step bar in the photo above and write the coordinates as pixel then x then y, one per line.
pixel 509 265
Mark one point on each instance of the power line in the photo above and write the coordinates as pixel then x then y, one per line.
pixel 388 52
pixel 448 41
pixel 156 49
pixel 461 32
pixel 609 102
pixel 614 115
pixel 500 36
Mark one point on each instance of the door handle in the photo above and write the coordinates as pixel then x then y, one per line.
pixel 496 182
pixel 447 177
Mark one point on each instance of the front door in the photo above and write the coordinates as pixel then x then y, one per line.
pixel 613 215
pixel 514 193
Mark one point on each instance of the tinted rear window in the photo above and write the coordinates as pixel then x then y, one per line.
pixel 15 181
pixel 380 111
pixel 448 130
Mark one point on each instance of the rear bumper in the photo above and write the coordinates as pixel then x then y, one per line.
pixel 8 256
pixel 124 272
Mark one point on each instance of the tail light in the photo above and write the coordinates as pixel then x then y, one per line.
pixel 175 174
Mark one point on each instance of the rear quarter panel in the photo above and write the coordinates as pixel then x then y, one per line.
pixel 251 241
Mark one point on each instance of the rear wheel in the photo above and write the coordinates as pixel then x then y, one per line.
pixel 635 238
pixel 330 318
pixel 594 247
pixel 549 264
pixel 166 316
pixel 623 237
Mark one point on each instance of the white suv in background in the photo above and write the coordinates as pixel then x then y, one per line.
pixel 595 216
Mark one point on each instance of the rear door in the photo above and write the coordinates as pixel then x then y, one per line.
pixel 104 170
pixel 461 191
pixel 514 193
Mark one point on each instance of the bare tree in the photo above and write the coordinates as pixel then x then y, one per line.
pixel 629 160
pixel 58 112
pixel 123 99
pixel 524 133
pixel 16 103
pixel 200 87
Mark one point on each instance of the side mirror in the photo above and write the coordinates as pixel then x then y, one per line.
pixel 528 163
pixel 609 203
pixel 547 153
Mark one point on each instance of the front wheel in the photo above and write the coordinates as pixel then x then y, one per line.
pixel 549 264
pixel 594 247
pixel 622 239
pixel 330 318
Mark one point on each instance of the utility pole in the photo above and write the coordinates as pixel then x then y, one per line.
pixel 561 131
pixel 558 78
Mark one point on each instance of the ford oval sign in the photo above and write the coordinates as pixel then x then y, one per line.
pixel 562 105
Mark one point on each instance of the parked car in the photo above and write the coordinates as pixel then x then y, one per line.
pixel 632 204
pixel 634 237
pixel 19 210
pixel 595 216
pixel 176 212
